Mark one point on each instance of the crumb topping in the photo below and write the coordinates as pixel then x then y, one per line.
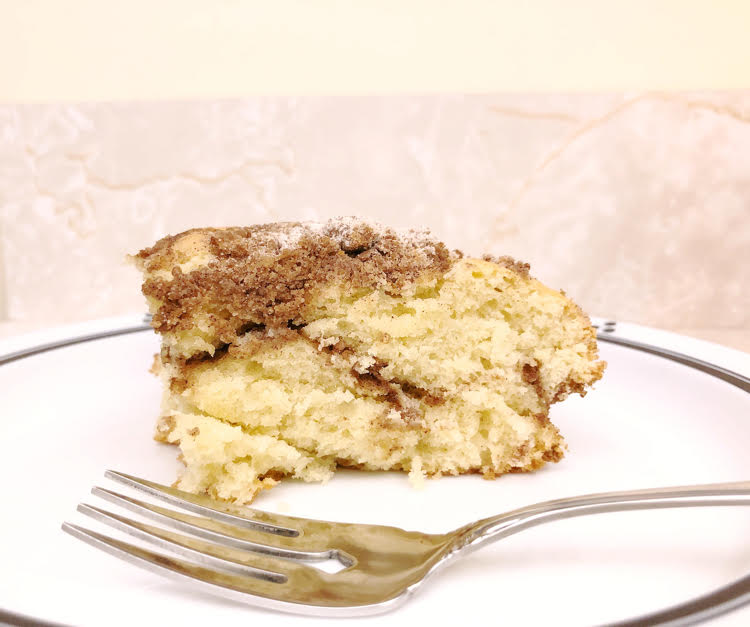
pixel 266 274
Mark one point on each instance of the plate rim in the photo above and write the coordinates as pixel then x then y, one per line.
pixel 667 344
pixel 625 333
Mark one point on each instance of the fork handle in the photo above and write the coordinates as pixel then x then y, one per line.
pixel 711 605
pixel 495 528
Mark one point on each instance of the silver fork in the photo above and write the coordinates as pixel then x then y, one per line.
pixel 259 557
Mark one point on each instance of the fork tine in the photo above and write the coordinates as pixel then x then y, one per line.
pixel 303 547
pixel 293 595
pixel 226 512
pixel 207 553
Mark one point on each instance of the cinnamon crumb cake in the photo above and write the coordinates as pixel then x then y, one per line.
pixel 289 349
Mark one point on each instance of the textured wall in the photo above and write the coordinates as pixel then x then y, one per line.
pixel 638 205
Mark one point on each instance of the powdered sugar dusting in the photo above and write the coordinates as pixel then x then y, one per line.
pixel 347 231
pixel 291 236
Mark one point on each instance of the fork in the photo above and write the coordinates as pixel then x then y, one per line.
pixel 264 559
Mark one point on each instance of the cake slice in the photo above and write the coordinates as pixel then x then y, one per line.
pixel 290 349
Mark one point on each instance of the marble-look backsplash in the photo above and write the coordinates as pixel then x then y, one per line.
pixel 637 204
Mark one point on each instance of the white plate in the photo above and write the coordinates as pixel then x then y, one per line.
pixel 70 413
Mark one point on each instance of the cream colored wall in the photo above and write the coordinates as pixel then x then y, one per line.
pixel 97 50
pixel 637 204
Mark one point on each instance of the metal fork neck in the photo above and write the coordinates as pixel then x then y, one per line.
pixel 495 528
